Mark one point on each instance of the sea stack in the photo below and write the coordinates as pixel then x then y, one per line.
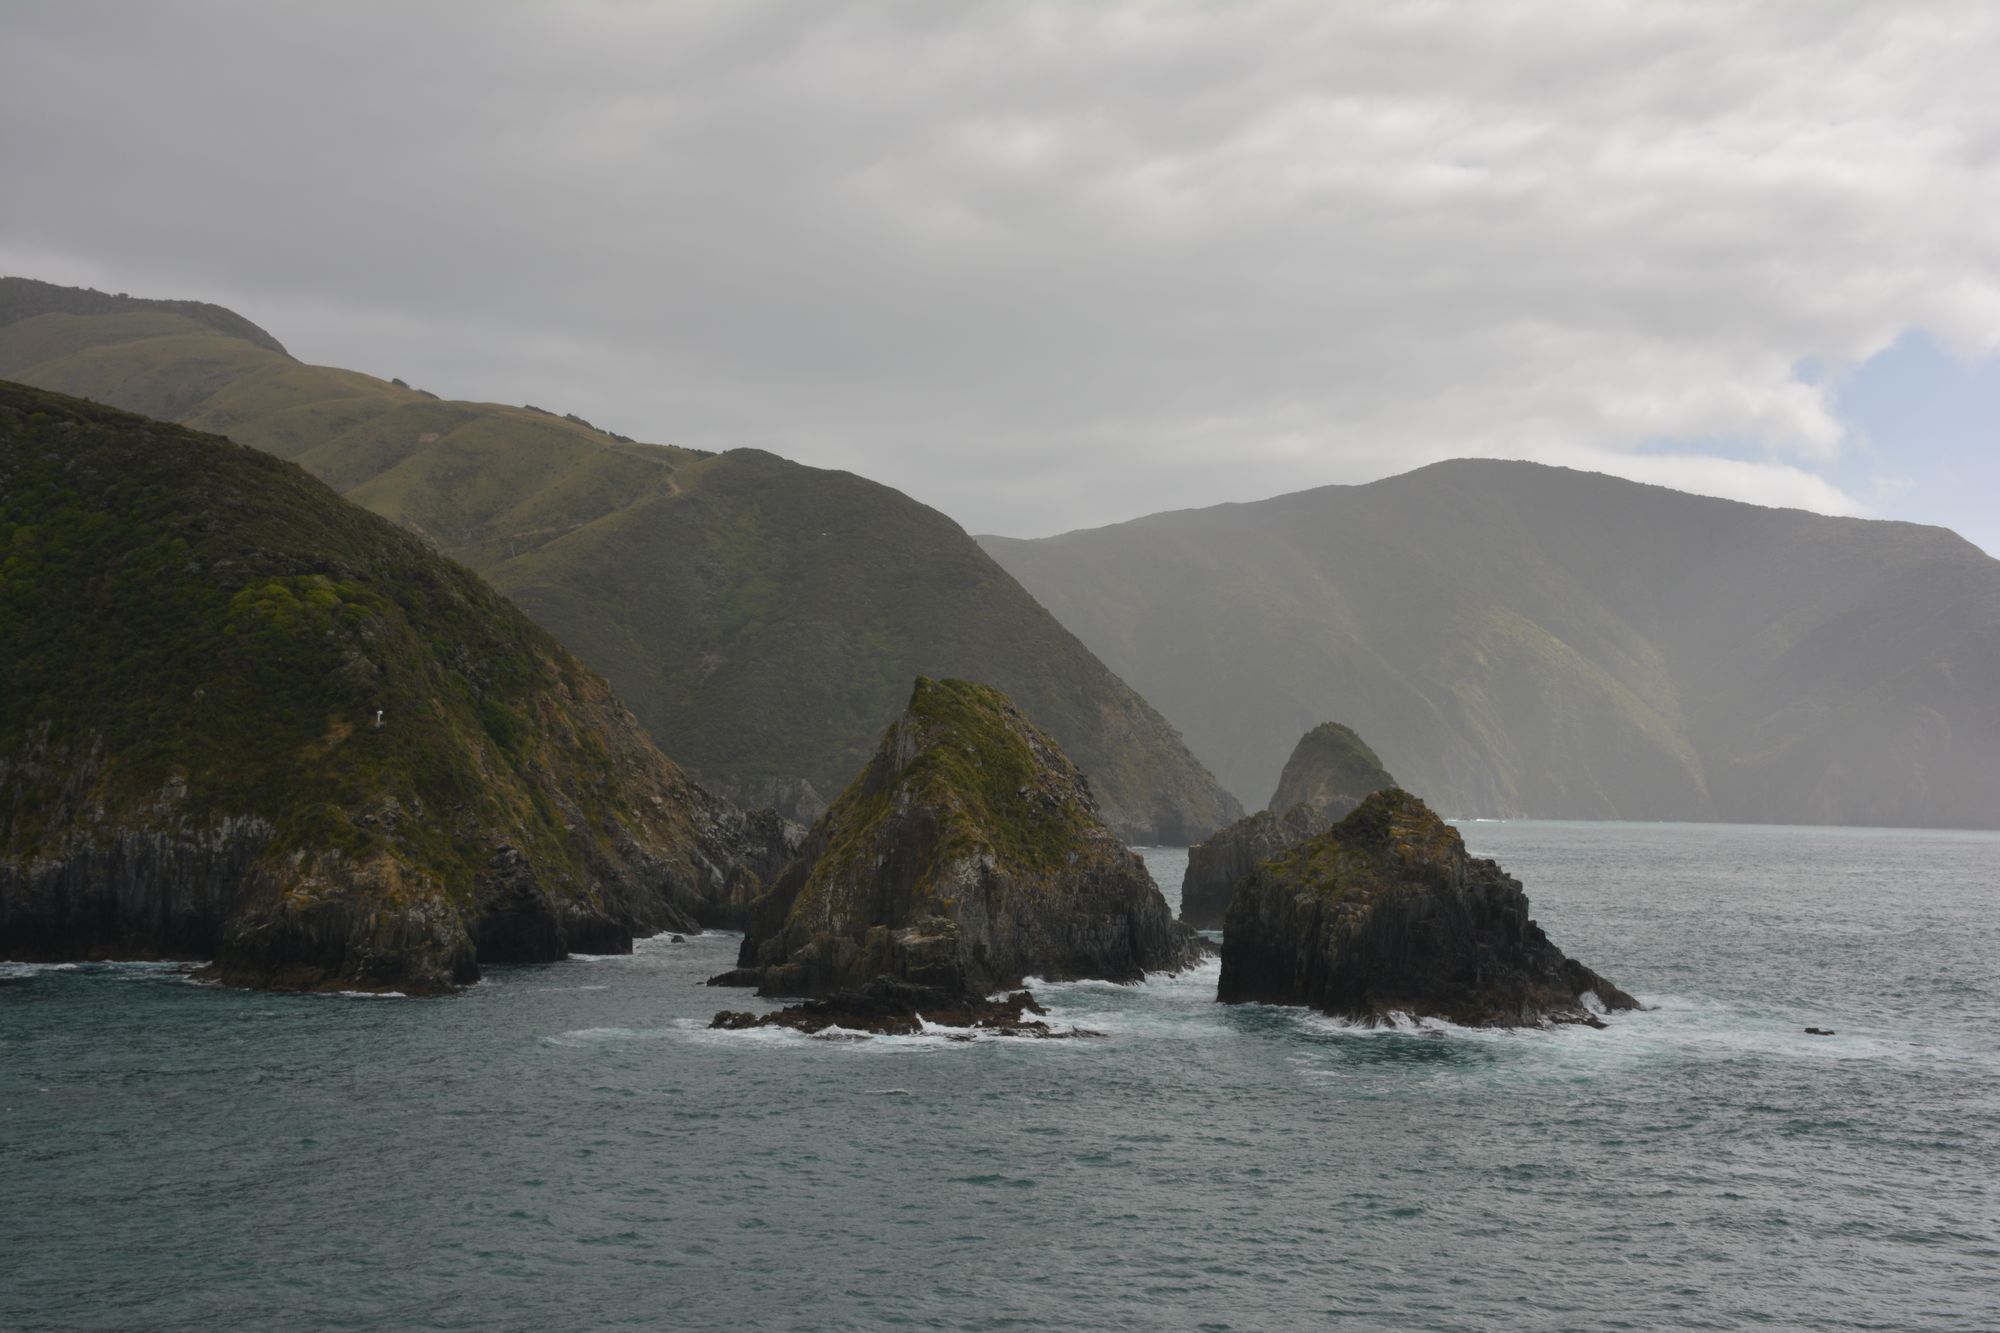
pixel 966 856
pixel 1385 914
pixel 1331 771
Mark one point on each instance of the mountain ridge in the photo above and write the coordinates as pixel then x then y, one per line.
pixel 1524 640
pixel 762 618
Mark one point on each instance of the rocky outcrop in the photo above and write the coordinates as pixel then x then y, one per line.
pixel 248 722
pixel 887 1007
pixel 1331 771
pixel 1217 866
pixel 967 855
pixel 1385 914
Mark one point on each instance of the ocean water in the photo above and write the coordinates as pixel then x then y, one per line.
pixel 568 1147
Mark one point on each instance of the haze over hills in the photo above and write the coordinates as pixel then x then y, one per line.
pixel 1520 640
pixel 763 619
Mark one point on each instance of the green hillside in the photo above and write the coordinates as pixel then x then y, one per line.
pixel 762 618
pixel 247 720
pixel 1519 640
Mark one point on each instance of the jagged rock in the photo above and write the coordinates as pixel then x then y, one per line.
pixel 1385 913
pixel 245 721
pixel 1331 771
pixel 899 1009
pixel 966 856
pixel 1217 866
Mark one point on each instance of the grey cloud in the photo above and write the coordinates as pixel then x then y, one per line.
pixel 1050 264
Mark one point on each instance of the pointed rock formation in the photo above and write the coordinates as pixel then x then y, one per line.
pixel 1331 771
pixel 1385 914
pixel 968 855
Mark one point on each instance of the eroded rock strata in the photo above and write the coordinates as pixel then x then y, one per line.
pixel 1330 772
pixel 1385 914
pixel 966 856
pixel 247 721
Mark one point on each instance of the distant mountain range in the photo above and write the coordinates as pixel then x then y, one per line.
pixel 763 619
pixel 1519 640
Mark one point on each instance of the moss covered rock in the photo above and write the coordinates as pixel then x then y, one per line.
pixel 1331 771
pixel 1385 914
pixel 250 722
pixel 968 855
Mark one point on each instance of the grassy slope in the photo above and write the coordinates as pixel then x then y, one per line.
pixel 1521 640
pixel 195 617
pixel 762 618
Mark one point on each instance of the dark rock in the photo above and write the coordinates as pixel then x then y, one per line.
pixel 966 856
pixel 1217 866
pixel 1331 771
pixel 890 1007
pixel 1385 913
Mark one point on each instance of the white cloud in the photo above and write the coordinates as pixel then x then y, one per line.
pixel 1051 264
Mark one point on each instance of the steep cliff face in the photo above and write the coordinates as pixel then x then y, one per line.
pixel 247 721
pixel 967 855
pixel 1330 772
pixel 1385 914
pixel 1217 866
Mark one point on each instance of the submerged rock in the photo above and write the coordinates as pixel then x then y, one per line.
pixel 893 1008
pixel 966 856
pixel 1331 771
pixel 1385 914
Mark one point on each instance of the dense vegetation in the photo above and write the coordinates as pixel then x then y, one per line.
pixel 195 635
pixel 1523 640
pixel 762 618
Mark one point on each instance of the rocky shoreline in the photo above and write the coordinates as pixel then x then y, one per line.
pixel 886 1007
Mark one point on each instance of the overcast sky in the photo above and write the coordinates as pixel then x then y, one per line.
pixel 1049 265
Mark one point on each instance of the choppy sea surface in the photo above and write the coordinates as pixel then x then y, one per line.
pixel 568 1147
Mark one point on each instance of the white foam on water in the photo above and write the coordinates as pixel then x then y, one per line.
pixel 1668 1028
pixel 606 1036
pixel 137 970
pixel 931 1037
pixel 1177 1005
